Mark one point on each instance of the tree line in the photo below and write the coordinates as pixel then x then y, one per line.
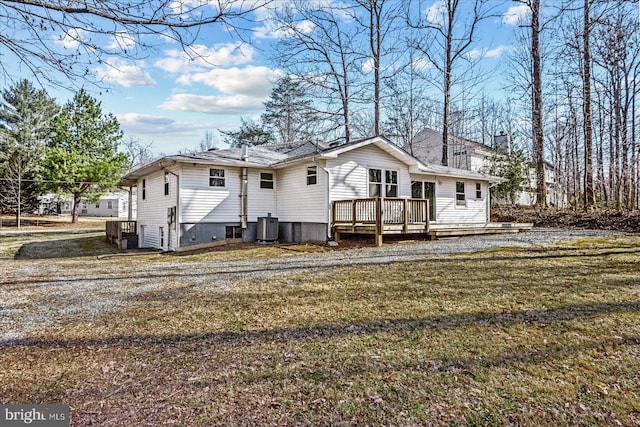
pixel 370 67
pixel 45 147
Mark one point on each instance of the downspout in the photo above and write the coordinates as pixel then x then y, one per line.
pixel 244 181
pixel 177 218
pixel 327 199
pixel 130 210
pixel 489 187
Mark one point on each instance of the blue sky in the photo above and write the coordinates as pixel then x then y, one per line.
pixel 172 101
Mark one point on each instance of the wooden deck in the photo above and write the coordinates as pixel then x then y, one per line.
pixel 380 216
pixel 122 233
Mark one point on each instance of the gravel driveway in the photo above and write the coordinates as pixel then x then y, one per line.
pixel 36 294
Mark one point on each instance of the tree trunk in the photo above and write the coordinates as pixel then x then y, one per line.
pixel 589 197
pixel 446 115
pixel 76 206
pixel 536 100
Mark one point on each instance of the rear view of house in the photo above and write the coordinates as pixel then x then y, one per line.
pixel 243 194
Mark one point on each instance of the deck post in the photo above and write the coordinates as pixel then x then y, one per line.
pixel 379 220
pixel 353 215
pixel 426 215
pixel 405 225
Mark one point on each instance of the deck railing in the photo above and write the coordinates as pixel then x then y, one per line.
pixel 117 230
pixel 381 212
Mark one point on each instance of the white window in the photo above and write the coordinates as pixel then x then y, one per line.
pixel 166 183
pixel 478 190
pixel 144 189
pixel 266 180
pixel 109 204
pixel 312 175
pixel 460 195
pixel 216 177
pixel 391 183
pixel 97 204
pixel 379 180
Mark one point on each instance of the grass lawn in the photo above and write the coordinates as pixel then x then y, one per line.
pixel 543 336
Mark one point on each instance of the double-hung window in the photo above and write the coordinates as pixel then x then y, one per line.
pixel 266 180
pixel 216 177
pixel 312 175
pixel 478 190
pixel 166 183
pixel 379 180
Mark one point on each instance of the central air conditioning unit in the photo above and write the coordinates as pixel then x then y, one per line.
pixel 267 228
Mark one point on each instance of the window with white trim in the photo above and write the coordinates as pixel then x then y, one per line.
pixel 216 177
pixel 379 180
pixel 391 183
pixel 460 195
pixel 312 175
pixel 478 190
pixel 266 180
pixel 166 183
pixel 144 189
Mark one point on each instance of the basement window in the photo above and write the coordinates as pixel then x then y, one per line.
pixel 233 232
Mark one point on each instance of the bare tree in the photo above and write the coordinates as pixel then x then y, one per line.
pixel 448 38
pixel 318 49
pixel 140 153
pixel 378 19
pixel 68 38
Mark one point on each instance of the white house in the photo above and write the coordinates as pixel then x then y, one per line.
pixel 473 156
pixel 112 204
pixel 186 200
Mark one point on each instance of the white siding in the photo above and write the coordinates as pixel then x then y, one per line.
pixel 203 203
pixel 447 211
pixel 152 212
pixel 349 176
pixel 299 202
pixel 261 201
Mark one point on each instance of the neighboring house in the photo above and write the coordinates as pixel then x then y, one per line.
pixel 474 156
pixel 109 205
pixel 186 200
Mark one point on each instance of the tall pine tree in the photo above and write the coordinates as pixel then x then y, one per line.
pixel 289 113
pixel 25 116
pixel 82 157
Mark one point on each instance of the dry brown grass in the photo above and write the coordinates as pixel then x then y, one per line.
pixel 542 336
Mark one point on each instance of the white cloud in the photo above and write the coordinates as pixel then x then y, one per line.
pixel 250 81
pixel 498 51
pixel 146 124
pixel 422 64
pixel 271 30
pixel 367 66
pixel 122 41
pixel 516 14
pixel 436 12
pixel 70 39
pixel 235 104
pixel 490 53
pixel 124 75
pixel 201 57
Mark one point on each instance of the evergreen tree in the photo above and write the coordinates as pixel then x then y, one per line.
pixel 512 167
pixel 250 133
pixel 25 116
pixel 82 157
pixel 289 114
